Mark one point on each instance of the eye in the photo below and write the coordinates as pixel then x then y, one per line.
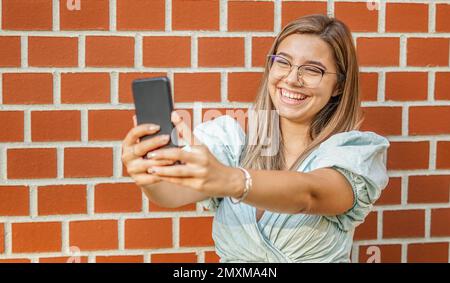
pixel 312 70
pixel 281 61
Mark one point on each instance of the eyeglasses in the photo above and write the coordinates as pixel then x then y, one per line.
pixel 308 75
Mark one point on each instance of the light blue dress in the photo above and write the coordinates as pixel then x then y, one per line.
pixel 278 237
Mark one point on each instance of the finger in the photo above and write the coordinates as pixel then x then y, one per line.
pixel 175 153
pixel 141 165
pixel 144 147
pixel 175 171
pixel 139 131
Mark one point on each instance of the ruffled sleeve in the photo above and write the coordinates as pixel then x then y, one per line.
pixel 225 139
pixel 361 158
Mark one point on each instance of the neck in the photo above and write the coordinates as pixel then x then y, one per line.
pixel 295 136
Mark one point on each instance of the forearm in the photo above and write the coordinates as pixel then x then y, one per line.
pixel 276 190
pixel 171 195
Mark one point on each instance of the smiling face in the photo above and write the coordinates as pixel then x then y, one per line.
pixel 300 49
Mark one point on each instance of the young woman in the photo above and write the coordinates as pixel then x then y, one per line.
pixel 303 200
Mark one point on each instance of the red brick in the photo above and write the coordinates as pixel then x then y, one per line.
pixel 428 252
pixel 31 163
pixel 27 15
pixel 260 50
pixel 14 201
pixel 66 199
pixel 87 162
pixel 110 198
pixel 368 229
pixel 10 51
pixel 402 17
pixel 406 86
pixel 392 194
pixel 357 16
pixel 56 125
pixel 429 189
pixel 388 253
pixel 196 231
pixel 174 258
pixel 120 259
pixel 93 15
pixel 247 15
pixel 368 51
pixel 148 233
pixel 442 86
pixel 11 130
pixel 83 259
pixel 243 87
pixel 442 156
pixel 404 224
pixel 293 10
pixel 140 15
pixel 165 51
pixel 220 52
pixel 429 120
pixel 36 237
pixel 113 51
pixel 211 257
pixel 368 83
pixel 15 260
pixel 427 52
pixel 121 119
pixel 383 120
pixel 400 157
pixel 94 234
pixel 125 80
pixel 27 88
pixel 206 11
pixel 443 17
pixel 189 87
pixel 440 221
pixel 81 88
pixel 49 51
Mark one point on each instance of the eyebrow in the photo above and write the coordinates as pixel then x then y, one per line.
pixel 306 62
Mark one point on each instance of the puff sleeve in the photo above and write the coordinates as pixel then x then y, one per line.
pixel 225 139
pixel 361 158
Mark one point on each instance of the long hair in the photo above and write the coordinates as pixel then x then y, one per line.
pixel 342 112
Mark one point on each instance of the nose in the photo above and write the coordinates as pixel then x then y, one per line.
pixel 292 77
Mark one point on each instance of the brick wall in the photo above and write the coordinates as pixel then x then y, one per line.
pixel 66 105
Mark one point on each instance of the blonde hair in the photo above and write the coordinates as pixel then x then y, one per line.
pixel 342 112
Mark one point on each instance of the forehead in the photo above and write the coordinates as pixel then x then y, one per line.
pixel 304 47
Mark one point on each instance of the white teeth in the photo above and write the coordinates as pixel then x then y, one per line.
pixel 292 95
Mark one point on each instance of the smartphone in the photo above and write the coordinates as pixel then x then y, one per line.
pixel 153 104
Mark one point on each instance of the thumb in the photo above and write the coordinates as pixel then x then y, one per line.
pixel 185 132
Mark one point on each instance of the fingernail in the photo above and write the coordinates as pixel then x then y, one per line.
pixel 165 137
pixel 151 155
pixel 153 127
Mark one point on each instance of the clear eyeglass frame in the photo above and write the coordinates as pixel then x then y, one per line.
pixel 313 74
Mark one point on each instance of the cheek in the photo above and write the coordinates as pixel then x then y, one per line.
pixel 272 84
